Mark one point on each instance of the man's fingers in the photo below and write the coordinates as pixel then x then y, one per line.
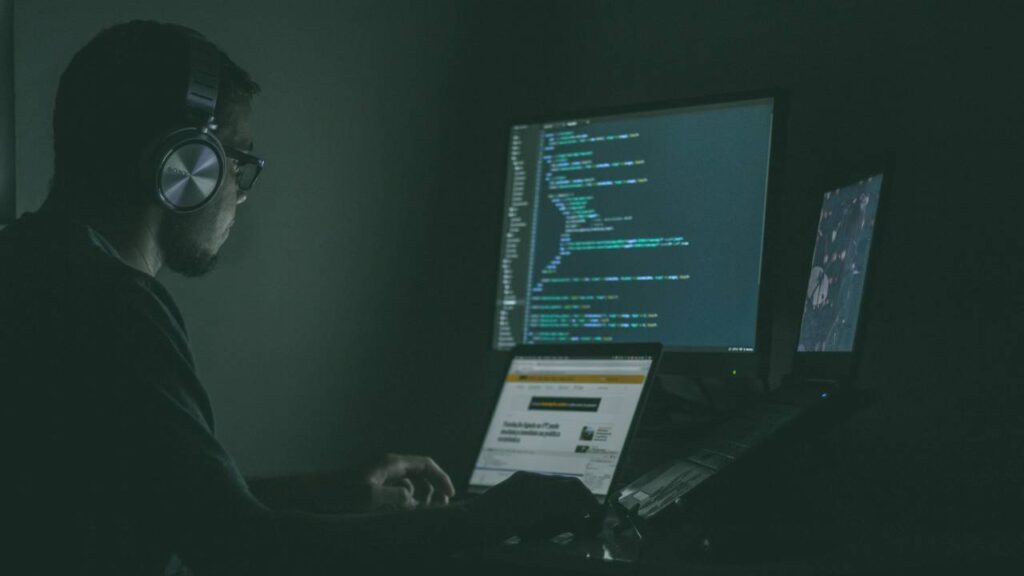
pixel 425 493
pixel 399 465
pixel 399 497
pixel 425 466
pixel 412 492
pixel 423 480
pixel 438 478
pixel 408 486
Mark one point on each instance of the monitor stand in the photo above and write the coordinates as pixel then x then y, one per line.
pixel 681 404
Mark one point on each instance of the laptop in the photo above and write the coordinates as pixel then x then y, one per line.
pixel 566 410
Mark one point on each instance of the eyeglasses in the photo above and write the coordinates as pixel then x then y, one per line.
pixel 247 167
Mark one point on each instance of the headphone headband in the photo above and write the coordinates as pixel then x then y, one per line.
pixel 203 77
pixel 190 162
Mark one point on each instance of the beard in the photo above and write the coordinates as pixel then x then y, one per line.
pixel 180 241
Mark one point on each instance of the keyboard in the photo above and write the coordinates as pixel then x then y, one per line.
pixel 670 482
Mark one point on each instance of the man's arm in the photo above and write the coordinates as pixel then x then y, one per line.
pixel 391 482
pixel 339 492
pixel 189 492
pixel 185 490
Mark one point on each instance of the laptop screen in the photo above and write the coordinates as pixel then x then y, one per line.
pixel 563 415
pixel 839 266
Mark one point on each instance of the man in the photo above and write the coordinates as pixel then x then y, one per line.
pixel 111 463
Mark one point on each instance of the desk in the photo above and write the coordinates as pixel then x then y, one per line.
pixel 829 504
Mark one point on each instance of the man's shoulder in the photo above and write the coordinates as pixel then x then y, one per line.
pixel 47 247
pixel 145 300
pixel 62 276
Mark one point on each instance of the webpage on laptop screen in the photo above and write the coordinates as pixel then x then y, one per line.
pixel 562 416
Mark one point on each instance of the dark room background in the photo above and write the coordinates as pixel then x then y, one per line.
pixel 352 312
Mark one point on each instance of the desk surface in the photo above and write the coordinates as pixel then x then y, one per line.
pixel 825 506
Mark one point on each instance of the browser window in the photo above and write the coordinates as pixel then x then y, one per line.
pixel 563 416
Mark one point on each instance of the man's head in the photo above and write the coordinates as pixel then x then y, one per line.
pixel 120 94
pixel 189 242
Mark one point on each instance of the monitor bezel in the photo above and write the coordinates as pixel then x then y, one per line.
pixel 677 359
pixel 652 349
pixel 840 368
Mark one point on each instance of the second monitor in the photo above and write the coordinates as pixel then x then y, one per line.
pixel 638 226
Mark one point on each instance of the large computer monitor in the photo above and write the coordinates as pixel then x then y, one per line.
pixel 641 225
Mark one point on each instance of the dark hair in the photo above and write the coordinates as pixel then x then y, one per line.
pixel 119 93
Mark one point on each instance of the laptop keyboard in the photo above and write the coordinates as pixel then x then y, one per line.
pixel 668 483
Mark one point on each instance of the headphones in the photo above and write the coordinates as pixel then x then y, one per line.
pixel 189 164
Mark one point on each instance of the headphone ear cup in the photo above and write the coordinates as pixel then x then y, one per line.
pixel 190 167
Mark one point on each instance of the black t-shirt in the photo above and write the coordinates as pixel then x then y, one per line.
pixel 110 455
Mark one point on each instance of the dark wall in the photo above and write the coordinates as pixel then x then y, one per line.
pixel 353 310
pixel 6 112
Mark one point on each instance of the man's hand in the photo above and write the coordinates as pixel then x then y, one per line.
pixel 402 482
pixel 534 505
pixel 392 482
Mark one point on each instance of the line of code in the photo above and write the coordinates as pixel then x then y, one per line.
pixel 579 171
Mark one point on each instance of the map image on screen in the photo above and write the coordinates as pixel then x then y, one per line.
pixel 838 268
